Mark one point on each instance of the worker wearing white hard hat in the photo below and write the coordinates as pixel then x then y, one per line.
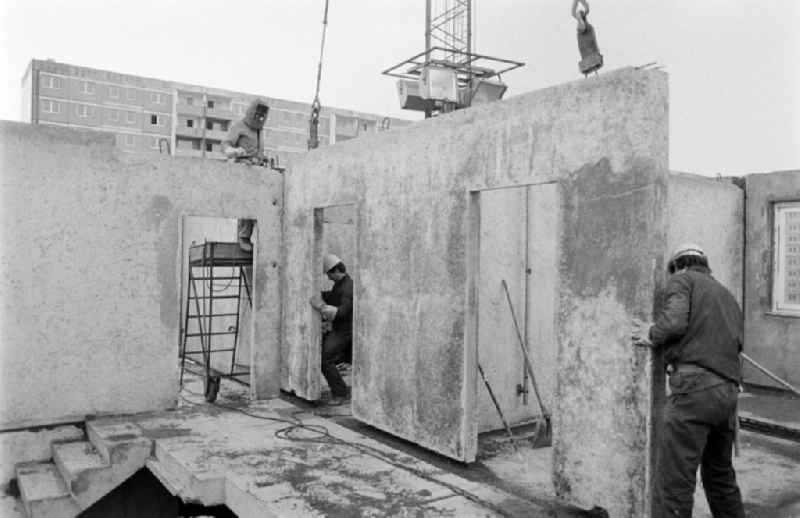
pixel 336 307
pixel 699 327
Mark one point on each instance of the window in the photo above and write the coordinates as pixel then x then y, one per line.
pixel 156 98
pixel 131 94
pixel 209 146
pixel 113 92
pixel 190 101
pixel 154 142
pixel 210 104
pixel 786 268
pixel 87 87
pixel 131 118
pixel 223 126
pixel 83 111
pixel 51 106
pixel 190 123
pixel 209 125
pixel 130 140
pixel 51 82
pixel 155 120
pixel 113 116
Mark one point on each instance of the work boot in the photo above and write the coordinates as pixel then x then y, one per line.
pixel 337 400
pixel 245 244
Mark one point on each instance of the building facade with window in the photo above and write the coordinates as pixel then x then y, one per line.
pixel 155 115
pixel 772 275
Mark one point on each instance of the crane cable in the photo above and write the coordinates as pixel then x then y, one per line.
pixel 316 106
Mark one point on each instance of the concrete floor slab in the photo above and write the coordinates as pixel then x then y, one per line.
pixel 271 458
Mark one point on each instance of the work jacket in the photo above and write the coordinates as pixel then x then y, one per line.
pixel 700 324
pixel 246 132
pixel 341 296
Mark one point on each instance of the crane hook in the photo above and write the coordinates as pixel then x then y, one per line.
pixel 580 15
pixel 591 59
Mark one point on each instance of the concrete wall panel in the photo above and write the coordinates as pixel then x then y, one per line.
pixel 605 140
pixel 612 246
pixel 770 339
pixel 709 212
pixel 91 276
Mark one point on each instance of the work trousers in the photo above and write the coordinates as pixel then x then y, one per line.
pixel 699 430
pixel 244 228
pixel 334 344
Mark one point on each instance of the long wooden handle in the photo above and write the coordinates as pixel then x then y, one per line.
pixel 524 352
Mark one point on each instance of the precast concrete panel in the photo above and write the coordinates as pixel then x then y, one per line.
pixel 709 212
pixel 90 271
pixel 604 141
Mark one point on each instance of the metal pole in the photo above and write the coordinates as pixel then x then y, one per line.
pixel 527 287
pixel 428 112
pixel 427 30
pixel 770 374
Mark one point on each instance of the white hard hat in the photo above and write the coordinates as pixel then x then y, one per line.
pixel 329 261
pixel 687 249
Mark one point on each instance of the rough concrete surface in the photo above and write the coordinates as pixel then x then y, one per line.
pixel 770 339
pixel 263 464
pixel 709 212
pixel 412 190
pixel 90 270
pixel 614 237
pixel 31 446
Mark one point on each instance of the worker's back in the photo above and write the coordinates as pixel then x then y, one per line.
pixel 713 338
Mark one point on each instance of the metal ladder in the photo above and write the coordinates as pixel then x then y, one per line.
pixel 207 304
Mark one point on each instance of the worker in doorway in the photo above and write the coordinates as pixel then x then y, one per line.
pixel 699 327
pixel 336 306
pixel 243 144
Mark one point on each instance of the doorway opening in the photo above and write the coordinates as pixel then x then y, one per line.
pixel 335 232
pixel 217 287
pixel 513 265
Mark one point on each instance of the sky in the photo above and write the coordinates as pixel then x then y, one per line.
pixel 734 67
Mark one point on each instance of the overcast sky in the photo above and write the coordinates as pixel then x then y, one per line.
pixel 734 66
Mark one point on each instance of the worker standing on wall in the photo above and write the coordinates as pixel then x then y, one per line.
pixel 700 328
pixel 243 144
pixel 336 306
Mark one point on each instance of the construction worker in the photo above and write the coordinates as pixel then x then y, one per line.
pixel 699 327
pixel 243 144
pixel 336 306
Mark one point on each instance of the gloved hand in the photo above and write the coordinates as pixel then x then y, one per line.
pixel 316 302
pixel 328 312
pixel 640 334
pixel 326 327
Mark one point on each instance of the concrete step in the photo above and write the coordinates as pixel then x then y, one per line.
pixel 43 492
pixel 117 441
pixel 92 469
pixel 80 464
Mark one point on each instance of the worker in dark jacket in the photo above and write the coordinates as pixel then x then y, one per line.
pixel 243 144
pixel 699 328
pixel 336 306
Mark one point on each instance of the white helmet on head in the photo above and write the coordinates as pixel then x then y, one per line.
pixel 329 261
pixel 683 250
pixel 687 249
